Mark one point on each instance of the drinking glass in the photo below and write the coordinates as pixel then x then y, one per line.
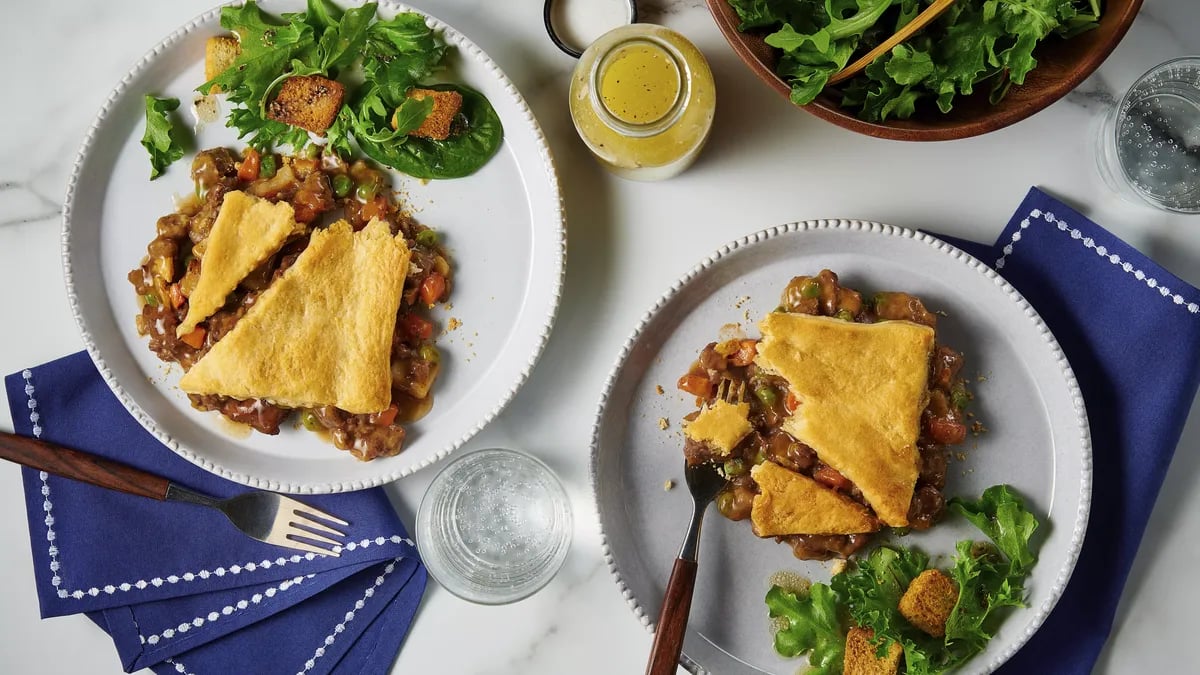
pixel 494 526
pixel 1149 145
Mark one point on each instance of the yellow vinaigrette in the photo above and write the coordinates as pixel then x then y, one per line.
pixel 639 82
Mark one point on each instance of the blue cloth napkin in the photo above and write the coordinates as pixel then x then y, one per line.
pixel 169 579
pixel 1131 331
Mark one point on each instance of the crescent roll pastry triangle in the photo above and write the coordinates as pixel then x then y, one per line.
pixel 862 388
pixel 792 503
pixel 321 334
pixel 246 232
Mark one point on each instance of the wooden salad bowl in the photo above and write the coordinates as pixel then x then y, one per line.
pixel 1062 65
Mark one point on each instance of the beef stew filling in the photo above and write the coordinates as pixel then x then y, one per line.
pixel 316 188
pixel 942 422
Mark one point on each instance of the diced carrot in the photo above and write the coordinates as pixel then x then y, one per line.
pixel 792 402
pixel 177 296
pixel 946 431
pixel 829 476
pixel 417 327
pixel 697 385
pixel 376 208
pixel 387 417
pixel 195 339
pixel 746 351
pixel 432 288
pixel 251 161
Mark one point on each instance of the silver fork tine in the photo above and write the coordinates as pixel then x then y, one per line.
pixel 319 538
pixel 309 511
pixel 280 537
pixel 313 523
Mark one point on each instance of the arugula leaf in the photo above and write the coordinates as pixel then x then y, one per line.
pixel 266 48
pixel 341 43
pixel 1001 515
pixel 813 627
pixel 162 139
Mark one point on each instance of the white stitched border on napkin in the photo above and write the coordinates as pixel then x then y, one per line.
pixel 341 626
pixel 1100 250
pixel 56 566
pixel 337 629
pixel 227 610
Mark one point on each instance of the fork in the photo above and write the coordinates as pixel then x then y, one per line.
pixel 704 482
pixel 265 516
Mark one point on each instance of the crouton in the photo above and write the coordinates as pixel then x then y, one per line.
pixel 307 101
pixel 446 105
pixel 860 655
pixel 928 602
pixel 220 51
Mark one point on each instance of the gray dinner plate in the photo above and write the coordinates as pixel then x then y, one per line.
pixel 1026 396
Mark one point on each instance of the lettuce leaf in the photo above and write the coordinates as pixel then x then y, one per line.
pixel 973 41
pixel 813 627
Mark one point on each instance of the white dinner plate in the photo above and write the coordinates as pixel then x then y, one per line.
pixel 1037 437
pixel 503 227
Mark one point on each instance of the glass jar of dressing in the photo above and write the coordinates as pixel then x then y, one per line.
pixel 642 99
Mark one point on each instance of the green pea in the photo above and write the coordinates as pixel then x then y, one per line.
pixel 810 289
pixel 309 419
pixel 781 309
pixel 342 185
pixel 429 353
pixel 267 166
pixel 766 395
pixel 427 238
pixel 844 315
pixel 879 299
pixel 366 190
pixel 959 397
pixel 725 503
pixel 151 299
pixel 310 151
pixel 760 456
pixel 901 531
pixel 735 467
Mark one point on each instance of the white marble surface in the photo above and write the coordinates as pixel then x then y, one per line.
pixel 766 164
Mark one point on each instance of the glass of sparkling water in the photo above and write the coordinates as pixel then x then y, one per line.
pixel 494 526
pixel 1149 145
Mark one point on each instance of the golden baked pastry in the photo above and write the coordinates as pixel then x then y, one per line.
pixel 861 389
pixel 792 503
pixel 322 333
pixel 246 232
pixel 721 426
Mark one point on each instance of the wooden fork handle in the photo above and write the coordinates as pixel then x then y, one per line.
pixel 673 620
pixel 81 466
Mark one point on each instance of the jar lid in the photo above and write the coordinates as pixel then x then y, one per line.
pixel 575 24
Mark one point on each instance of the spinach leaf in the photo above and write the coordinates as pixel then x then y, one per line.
pixel 162 139
pixel 462 154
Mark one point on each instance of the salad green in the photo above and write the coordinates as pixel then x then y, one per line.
pixel 971 42
pixel 162 139
pixel 395 55
pixel 989 577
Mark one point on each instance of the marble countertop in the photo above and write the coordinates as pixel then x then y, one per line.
pixel 766 164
